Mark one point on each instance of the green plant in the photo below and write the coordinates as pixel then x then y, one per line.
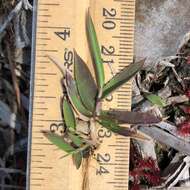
pixel 81 104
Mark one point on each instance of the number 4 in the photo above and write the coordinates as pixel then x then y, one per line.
pixel 101 171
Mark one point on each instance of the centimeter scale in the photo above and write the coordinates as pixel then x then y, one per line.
pixel 59 27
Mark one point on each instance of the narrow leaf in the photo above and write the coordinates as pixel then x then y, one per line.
pixel 154 99
pixel 74 96
pixel 77 159
pixel 76 139
pixel 81 149
pixel 128 117
pixel 124 131
pixel 114 127
pixel 122 77
pixel 95 52
pixel 58 141
pixel 69 116
pixel 85 83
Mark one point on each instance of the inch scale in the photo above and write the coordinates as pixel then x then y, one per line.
pixel 59 27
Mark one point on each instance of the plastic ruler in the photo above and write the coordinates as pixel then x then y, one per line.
pixel 59 27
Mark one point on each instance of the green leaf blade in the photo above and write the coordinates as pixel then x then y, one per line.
pixel 95 52
pixel 59 142
pixel 122 77
pixel 77 159
pixel 114 127
pixel 74 96
pixel 155 99
pixel 69 116
pixel 85 83
pixel 124 131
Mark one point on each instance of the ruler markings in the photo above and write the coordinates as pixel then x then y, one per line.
pixel 53 27
pixel 47 50
pixel 46 39
pixel 37 137
pixel 121 171
pixel 123 101
pixel 114 182
pixel 117 145
pixel 37 173
pixel 121 175
pixel 121 37
pixel 124 47
pixel 41 44
pixel 39 102
pixel 123 142
pixel 43 167
pixel 118 55
pixel 36 185
pixel 49 4
pixel 114 18
pixel 48 120
pixel 121 138
pixel 119 179
pixel 122 160
pixel 47 74
pixel 120 186
pixel 44 33
pixel 41 67
pixel 120 149
pixel 42 156
pixel 43 144
pixel 126 51
pixel 43 61
pixel 121 98
pixel 126 87
pixel 126 23
pixel 40 126
pixel 40 108
pixel 120 0
pixel 47 97
pixel 37 132
pixel 118 152
pixel 127 26
pixel 43 21
pixel 41 10
pixel 120 157
pixel 37 179
pixel 113 164
pixel 45 16
pixel 123 106
pixel 37 149
pixel 122 168
pixel 40 91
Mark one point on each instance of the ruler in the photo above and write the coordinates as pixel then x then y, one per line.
pixel 59 27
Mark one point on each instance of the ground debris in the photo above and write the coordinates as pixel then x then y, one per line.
pixel 14 92
pixel 169 80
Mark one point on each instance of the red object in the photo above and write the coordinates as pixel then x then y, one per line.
pixel 188 59
pixel 135 187
pixel 184 128
pixel 188 93
pixel 187 110
pixel 146 169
